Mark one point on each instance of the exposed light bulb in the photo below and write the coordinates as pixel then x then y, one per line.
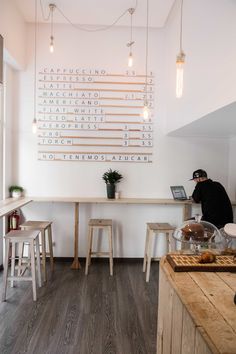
pixel 145 111
pixel 130 60
pixel 34 126
pixel 131 42
pixel 179 74
pixel 51 8
pixel 51 47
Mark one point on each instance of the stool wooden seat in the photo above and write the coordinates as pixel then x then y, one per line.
pixel 153 229
pixel 105 224
pixel 19 237
pixel 45 229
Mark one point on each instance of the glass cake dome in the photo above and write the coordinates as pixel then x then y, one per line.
pixel 229 234
pixel 199 236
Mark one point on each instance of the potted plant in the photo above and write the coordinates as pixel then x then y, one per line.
pixel 111 178
pixel 16 191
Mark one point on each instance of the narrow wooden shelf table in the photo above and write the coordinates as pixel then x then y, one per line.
pixel 10 204
pixel 186 207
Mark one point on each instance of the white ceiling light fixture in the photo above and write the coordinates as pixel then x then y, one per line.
pixel 51 8
pixel 180 60
pixel 34 123
pixel 131 42
pixel 145 103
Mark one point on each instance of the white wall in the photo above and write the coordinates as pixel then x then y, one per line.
pixel 11 104
pixel 1 163
pixel 232 168
pixel 108 50
pixel 209 31
pixel 13 30
pixel 174 158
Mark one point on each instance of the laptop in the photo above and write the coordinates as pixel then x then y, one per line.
pixel 178 193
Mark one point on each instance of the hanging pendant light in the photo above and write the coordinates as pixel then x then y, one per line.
pixel 180 60
pixel 34 123
pixel 51 46
pixel 131 42
pixel 146 112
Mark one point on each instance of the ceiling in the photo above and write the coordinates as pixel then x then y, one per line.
pixel 99 12
pixel 220 124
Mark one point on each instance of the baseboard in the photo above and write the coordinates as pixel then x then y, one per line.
pixel 97 259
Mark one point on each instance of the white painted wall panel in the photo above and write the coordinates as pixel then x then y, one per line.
pixel 174 159
pixel 209 29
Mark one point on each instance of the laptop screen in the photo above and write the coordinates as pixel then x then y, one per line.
pixel 178 192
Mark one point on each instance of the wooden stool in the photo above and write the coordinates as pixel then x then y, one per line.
pixel 19 237
pixel 153 229
pixel 105 224
pixel 45 228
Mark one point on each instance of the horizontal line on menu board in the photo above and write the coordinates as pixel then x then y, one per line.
pixel 97 161
pixel 99 82
pixel 101 75
pixel 90 114
pixel 91 137
pixel 89 106
pixel 104 145
pixel 94 89
pixel 95 153
pixel 92 98
pixel 119 106
pixel 104 130
pixel 93 121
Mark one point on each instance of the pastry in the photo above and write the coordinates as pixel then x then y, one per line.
pixel 194 231
pixel 207 257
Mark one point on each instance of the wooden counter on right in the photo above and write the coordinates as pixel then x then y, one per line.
pixel 196 312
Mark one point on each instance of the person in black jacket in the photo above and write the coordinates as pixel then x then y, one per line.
pixel 215 203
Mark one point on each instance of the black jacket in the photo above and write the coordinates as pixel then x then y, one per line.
pixel 216 206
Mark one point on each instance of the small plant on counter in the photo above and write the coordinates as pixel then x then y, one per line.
pixel 111 178
pixel 15 191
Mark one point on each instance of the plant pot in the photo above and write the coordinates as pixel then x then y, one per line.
pixel 111 188
pixel 16 194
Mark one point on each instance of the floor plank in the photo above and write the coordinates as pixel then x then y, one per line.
pixel 75 314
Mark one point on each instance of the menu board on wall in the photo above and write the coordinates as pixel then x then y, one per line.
pixel 94 115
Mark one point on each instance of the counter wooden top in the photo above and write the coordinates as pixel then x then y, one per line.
pixel 116 201
pixel 111 201
pixel 208 297
pixel 10 204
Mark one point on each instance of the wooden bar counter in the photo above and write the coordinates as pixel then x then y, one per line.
pixel 185 205
pixel 10 204
pixel 196 312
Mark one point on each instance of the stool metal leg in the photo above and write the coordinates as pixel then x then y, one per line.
pixel 146 248
pixel 4 290
pixel 33 271
pixel 88 257
pixel 21 253
pixel 149 255
pixel 91 246
pixel 110 249
pixel 13 261
pixel 38 261
pixel 49 231
pixel 44 255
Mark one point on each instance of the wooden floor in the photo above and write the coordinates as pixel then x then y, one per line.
pixel 97 314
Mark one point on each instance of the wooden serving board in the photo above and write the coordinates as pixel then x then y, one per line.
pixel 189 263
